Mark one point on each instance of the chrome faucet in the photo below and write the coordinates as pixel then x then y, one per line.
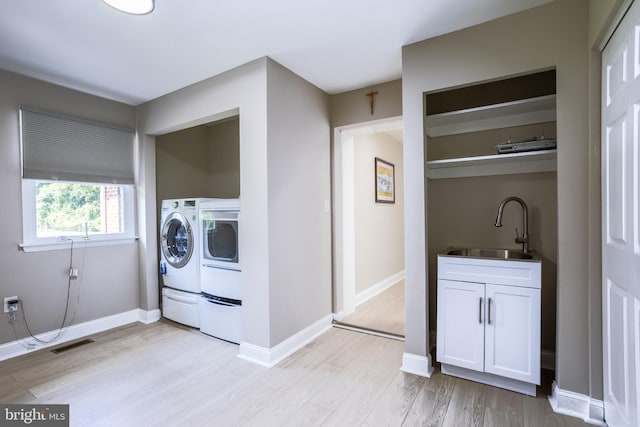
pixel 525 221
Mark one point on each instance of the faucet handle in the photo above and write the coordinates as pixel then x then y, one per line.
pixel 521 239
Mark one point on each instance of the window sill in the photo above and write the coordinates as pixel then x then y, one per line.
pixel 53 246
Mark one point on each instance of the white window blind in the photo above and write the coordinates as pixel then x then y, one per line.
pixel 70 149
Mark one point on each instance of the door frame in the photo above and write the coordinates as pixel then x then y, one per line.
pixel 620 324
pixel 343 193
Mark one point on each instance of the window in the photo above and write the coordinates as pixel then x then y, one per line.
pixel 55 211
pixel 77 180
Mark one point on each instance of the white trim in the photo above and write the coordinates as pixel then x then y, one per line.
pixel 91 242
pixel 577 405
pixel 348 213
pixel 269 357
pixel 339 315
pixel 73 332
pixel 148 317
pixel 343 212
pixel 375 289
pixel 417 365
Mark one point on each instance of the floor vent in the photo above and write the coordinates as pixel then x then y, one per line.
pixel 71 346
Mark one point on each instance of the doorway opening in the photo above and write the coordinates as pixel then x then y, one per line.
pixel 369 228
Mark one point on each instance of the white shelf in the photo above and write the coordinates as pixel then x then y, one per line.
pixel 499 164
pixel 496 116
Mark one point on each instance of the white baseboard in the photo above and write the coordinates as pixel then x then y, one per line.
pixel 339 315
pixel 374 290
pixel 416 364
pixel 269 357
pixel 577 405
pixel 150 316
pixel 73 332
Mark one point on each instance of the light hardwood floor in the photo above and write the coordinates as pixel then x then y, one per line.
pixel 165 375
pixel 384 312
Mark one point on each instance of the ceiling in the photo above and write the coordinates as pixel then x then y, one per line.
pixel 338 45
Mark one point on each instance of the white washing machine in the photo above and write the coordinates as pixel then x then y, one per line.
pixel 180 260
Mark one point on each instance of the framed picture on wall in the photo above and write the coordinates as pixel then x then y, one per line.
pixel 385 181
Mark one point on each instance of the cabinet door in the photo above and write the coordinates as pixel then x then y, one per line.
pixel 512 333
pixel 460 330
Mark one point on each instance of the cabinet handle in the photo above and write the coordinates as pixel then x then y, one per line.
pixel 489 311
pixel 480 310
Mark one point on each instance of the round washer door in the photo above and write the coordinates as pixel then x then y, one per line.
pixel 177 240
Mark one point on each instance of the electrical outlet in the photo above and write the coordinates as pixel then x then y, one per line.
pixel 10 304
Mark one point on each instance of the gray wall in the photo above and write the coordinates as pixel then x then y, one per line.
pixel 352 107
pixel 239 91
pixel 108 278
pixel 224 158
pixel 494 50
pixel 379 227
pixel 285 236
pixel 298 187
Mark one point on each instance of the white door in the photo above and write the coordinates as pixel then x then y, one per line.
pixel 460 330
pixel 512 332
pixel 621 222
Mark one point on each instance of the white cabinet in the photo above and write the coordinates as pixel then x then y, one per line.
pixel 512 332
pixel 460 335
pixel 490 332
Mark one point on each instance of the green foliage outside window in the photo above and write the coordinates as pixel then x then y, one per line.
pixel 66 207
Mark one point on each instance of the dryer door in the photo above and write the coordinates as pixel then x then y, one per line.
pixel 177 240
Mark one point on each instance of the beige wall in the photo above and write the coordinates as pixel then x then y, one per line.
pixel 224 158
pixel 108 280
pixel 352 107
pixel 183 165
pixel 601 15
pixel 490 51
pixel 379 227
pixel 201 161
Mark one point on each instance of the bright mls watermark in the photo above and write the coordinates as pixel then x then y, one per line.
pixel 34 415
